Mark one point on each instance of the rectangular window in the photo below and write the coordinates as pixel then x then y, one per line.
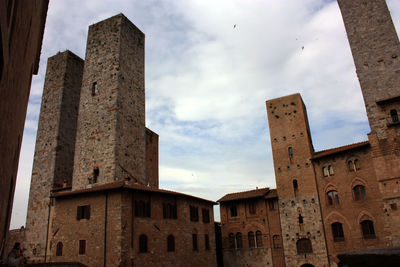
pixel 206 215
pixel 194 239
pixel 207 242
pixel 194 214
pixel 83 212
pixel 82 247
pixel 233 211
pixel 169 211
pixel 252 207
pixel 142 208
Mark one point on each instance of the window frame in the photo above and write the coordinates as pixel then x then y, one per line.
pixel 367 229
pixel 143 243
pixel 332 197
pixel 170 243
pixel 259 241
pixel 251 239
pixel 359 192
pixel 337 232
pixel 83 212
pixel 82 247
pixel 59 249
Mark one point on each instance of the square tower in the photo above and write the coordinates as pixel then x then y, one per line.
pixel 111 142
pixel 299 208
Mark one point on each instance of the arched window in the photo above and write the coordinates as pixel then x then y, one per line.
pixel 354 165
pixel 367 228
pixel 394 116
pixel 276 240
pixel 337 232
pixel 170 243
pixel 304 246
pixel 330 169
pixel 239 243
pixel 333 197
pixel 59 249
pixel 142 243
pixel 359 192
pixel 232 243
pixel 259 239
pixel 252 242
pixel 290 151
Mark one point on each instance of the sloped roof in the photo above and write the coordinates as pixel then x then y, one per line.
pixel 123 185
pixel 244 195
pixel 335 150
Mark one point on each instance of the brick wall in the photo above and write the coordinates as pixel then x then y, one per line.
pixel 21 33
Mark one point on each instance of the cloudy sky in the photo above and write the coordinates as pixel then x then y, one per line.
pixel 207 82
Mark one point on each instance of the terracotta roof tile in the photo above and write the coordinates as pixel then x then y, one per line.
pixel 122 185
pixel 331 151
pixel 246 194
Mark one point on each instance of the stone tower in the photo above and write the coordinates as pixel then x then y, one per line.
pixel 111 143
pixel 376 53
pixel 54 151
pixel 300 214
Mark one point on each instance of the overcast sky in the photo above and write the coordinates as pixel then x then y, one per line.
pixel 207 82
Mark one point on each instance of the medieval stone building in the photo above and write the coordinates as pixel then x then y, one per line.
pixel 94 195
pixel 338 200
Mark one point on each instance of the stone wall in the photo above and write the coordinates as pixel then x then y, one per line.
pixel 111 131
pixel 54 151
pixel 21 33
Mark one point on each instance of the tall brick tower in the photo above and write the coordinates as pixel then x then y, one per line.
pixel 376 53
pixel 300 214
pixel 54 151
pixel 111 141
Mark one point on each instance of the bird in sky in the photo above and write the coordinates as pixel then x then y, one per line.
pixel 234 26
pixel 302 48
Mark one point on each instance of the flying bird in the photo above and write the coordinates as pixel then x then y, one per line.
pixel 302 48
pixel 234 26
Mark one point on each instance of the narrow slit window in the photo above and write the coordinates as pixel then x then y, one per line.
pixel 394 116
pixel 94 89
pixel 290 151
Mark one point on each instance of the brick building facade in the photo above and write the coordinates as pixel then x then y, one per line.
pixel 21 34
pixel 346 198
pixel 94 196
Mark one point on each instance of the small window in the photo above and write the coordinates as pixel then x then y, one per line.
pixel 142 244
pixel 290 151
pixel 142 208
pixel 273 204
pixel 231 239
pixel 367 228
pixel 252 207
pixel 354 165
pixel 206 215
pixel 301 221
pixel 94 89
pixel 233 211
pixel 59 249
pixel 82 247
pixel 169 211
pixel 259 239
pixel 194 214
pixel 337 232
pixel 83 212
pixel 239 243
pixel 194 241
pixel 252 242
pixel 394 116
pixel 330 169
pixel 276 240
pixel 333 197
pixel 304 246
pixel 207 242
pixel 359 192
pixel 170 243
pixel 325 171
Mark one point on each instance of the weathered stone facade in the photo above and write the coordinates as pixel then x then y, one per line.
pixel 21 34
pixel 376 50
pixel 111 124
pixel 54 151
